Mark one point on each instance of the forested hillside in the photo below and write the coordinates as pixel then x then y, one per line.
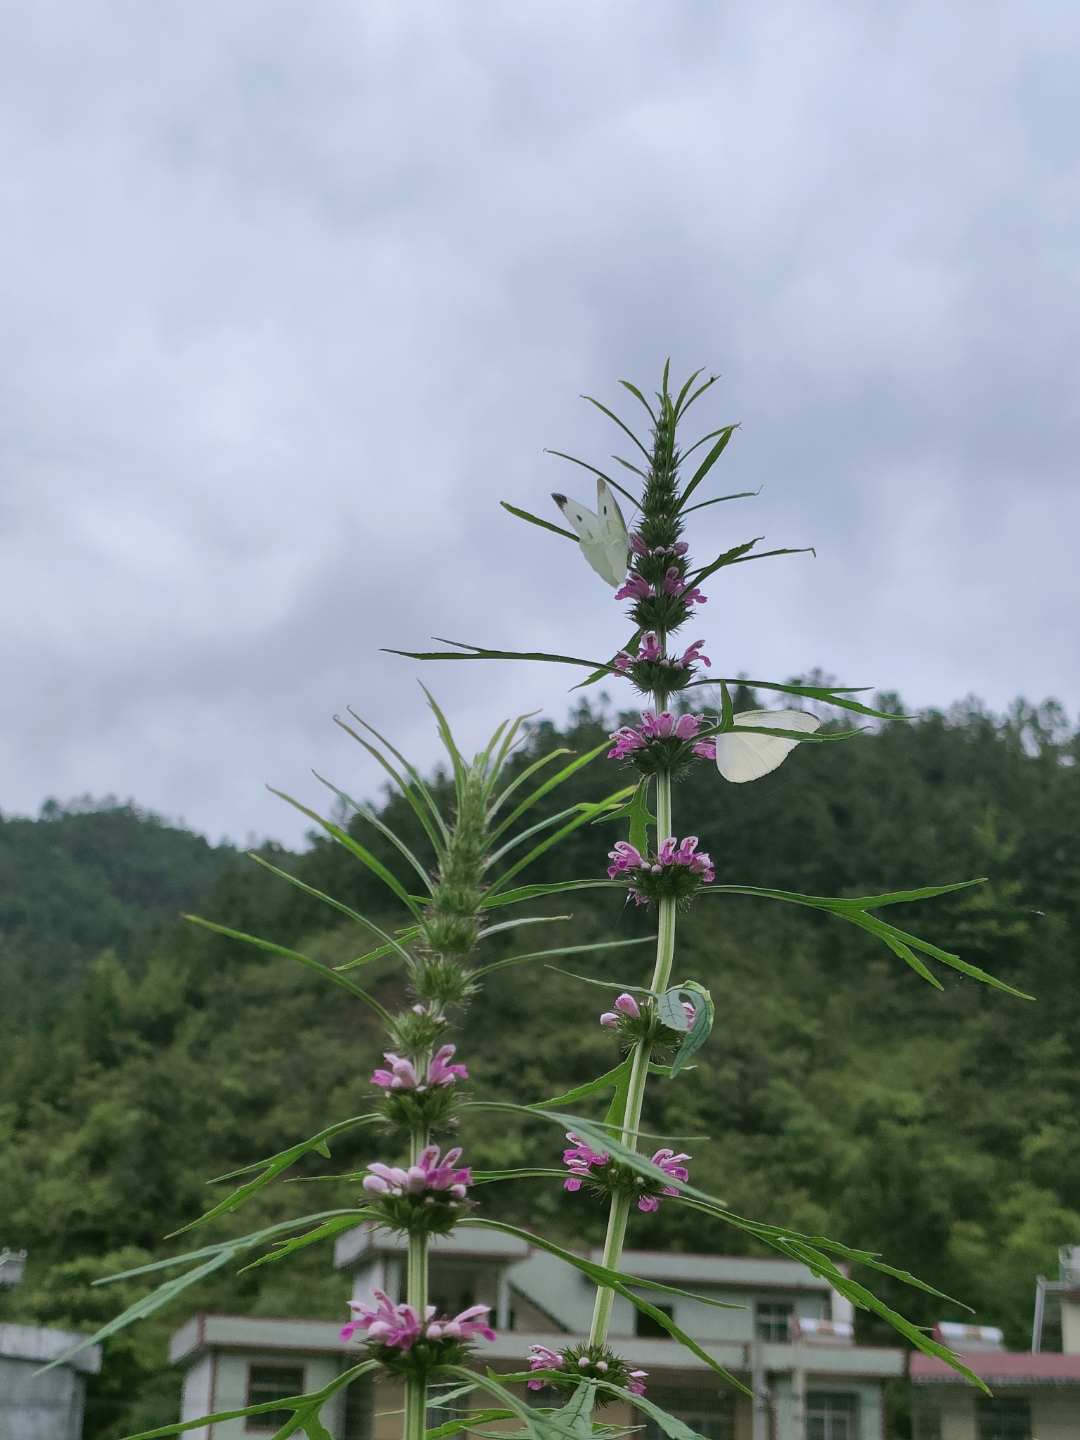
pixel 839 1092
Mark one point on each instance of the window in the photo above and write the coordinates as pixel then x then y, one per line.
pixel 832 1416
pixel 645 1325
pixel 272 1382
pixel 925 1416
pixel 711 1416
pixel 359 1420
pixel 1004 1419
pixel 773 1322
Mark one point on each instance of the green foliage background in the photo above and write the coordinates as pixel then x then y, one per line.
pixel 841 1094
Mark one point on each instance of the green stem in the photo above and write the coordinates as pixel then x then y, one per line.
pixel 416 1293
pixel 639 1074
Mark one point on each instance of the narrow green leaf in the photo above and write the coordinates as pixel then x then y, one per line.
pixel 390 944
pixel 368 814
pixel 525 776
pixel 854 910
pixel 476 652
pixel 299 1242
pixel 585 814
pixel 415 789
pixel 707 464
pixel 719 500
pixel 624 428
pixel 600 473
pixel 591 1087
pixel 300 1404
pixel 323 970
pixel 670 1424
pixel 472 1419
pixel 364 856
pixel 273 1167
pixel 827 695
pixel 534 892
pixel 578 762
pixel 564 950
pixel 535 520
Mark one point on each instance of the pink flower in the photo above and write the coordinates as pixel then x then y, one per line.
pixel 634 1384
pixel 649 649
pixel 674 584
pixel 683 854
pixel 629 739
pixel 693 655
pixel 638 546
pixel 402 1073
pixel 389 1325
pixel 671 1164
pixel 625 857
pixel 441 1073
pixel 463 1326
pixel 541 1358
pixel 629 1006
pixel 610 1019
pixel 635 587
pixel 399 1325
pixel 578 1160
pixel 429 1173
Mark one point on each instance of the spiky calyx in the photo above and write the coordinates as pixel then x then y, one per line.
pixel 441 980
pixel 427 1110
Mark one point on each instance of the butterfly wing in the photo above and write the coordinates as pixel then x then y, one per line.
pixel 615 540
pixel 590 531
pixel 740 758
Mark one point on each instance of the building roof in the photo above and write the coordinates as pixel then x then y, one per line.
pixel 1001 1368
pixel 31 1342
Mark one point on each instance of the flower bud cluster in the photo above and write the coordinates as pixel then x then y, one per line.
pixel 604 1176
pixel 588 1362
pixel 678 870
pixel 407 1345
pixel 653 671
pixel 425 1199
pixel 636 1022
pixel 661 744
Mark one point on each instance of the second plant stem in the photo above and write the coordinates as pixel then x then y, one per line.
pixel 639 1074
pixel 416 1292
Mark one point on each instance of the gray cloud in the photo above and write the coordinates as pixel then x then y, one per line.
pixel 293 295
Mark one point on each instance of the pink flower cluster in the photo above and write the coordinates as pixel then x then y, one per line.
pixel 630 739
pixel 672 1165
pixel 626 858
pixel 402 1073
pixel 580 1158
pixel 636 587
pixel 626 1006
pixel 401 1327
pixel 651 649
pixel 429 1173
pixel 638 546
pixel 541 1358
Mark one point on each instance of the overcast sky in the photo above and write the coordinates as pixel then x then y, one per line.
pixel 292 294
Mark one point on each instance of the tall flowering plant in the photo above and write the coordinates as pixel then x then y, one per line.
pixel 482 844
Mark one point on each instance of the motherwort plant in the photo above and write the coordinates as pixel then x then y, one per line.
pixel 482 843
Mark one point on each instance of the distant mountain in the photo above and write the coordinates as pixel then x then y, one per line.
pixel 88 877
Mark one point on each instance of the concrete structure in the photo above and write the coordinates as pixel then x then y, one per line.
pixel 42 1407
pixel 1035 1396
pixel 783 1333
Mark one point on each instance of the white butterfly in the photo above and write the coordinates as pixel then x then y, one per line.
pixel 747 757
pixel 604 541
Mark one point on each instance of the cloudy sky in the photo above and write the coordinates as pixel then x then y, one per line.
pixel 293 294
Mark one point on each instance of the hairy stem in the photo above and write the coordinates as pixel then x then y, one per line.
pixel 639 1073
pixel 416 1294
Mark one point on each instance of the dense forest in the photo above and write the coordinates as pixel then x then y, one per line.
pixel 840 1093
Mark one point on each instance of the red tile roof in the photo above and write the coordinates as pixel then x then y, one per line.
pixel 1004 1367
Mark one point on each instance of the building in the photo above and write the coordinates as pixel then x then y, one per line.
pixel 1035 1394
pixel 42 1407
pixel 786 1335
